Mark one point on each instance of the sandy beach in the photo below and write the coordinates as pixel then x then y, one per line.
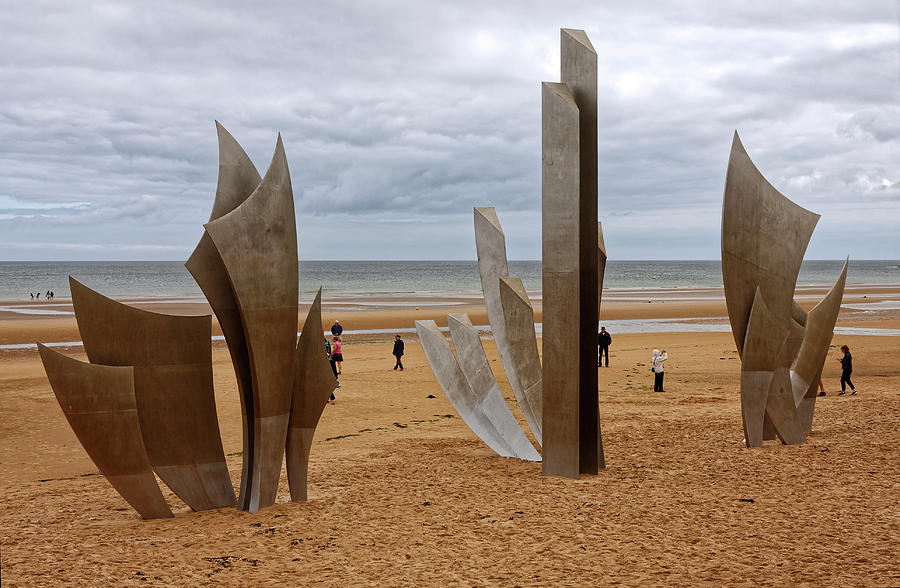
pixel 402 493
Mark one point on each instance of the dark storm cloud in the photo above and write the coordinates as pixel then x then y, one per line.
pixel 398 117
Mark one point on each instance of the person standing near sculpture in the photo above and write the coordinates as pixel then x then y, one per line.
pixel 658 369
pixel 846 370
pixel 337 329
pixel 604 339
pixel 337 353
pixel 330 362
pixel 398 352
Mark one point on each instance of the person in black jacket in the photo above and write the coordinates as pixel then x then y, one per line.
pixel 603 341
pixel 398 352
pixel 337 329
pixel 846 370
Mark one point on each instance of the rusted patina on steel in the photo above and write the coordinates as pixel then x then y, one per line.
pixel 238 178
pixel 99 403
pixel 313 384
pixel 173 386
pixel 257 242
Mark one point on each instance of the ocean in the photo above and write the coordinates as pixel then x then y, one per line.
pixel 152 279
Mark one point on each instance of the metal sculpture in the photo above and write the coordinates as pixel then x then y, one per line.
pixel 257 242
pixel 173 387
pixel 807 369
pixel 764 237
pixel 99 403
pixel 313 384
pixel 456 387
pixel 601 265
pixel 572 443
pixel 490 244
pixel 518 315
pixel 477 371
pixel 238 179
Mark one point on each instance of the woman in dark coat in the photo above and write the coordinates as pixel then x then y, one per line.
pixel 846 370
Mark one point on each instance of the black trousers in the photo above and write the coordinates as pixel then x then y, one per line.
pixel 600 358
pixel 845 380
pixel 658 381
pixel 399 363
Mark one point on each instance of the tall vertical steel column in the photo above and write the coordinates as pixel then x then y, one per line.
pixel 579 72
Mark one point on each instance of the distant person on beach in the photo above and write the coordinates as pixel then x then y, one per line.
pixel 337 355
pixel 398 352
pixel 337 329
pixel 38 295
pixel 32 295
pixel 603 341
pixel 658 369
pixel 846 370
pixel 821 388
pixel 331 362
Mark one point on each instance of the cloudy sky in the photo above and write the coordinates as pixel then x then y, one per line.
pixel 399 117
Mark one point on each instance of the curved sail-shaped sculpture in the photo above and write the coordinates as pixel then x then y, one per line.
pixel 257 242
pixel 519 317
pixel 238 178
pixel 490 243
pixel 601 264
pixel 313 384
pixel 764 237
pixel 807 369
pixel 99 403
pixel 453 382
pixel 765 385
pixel 488 398
pixel 173 387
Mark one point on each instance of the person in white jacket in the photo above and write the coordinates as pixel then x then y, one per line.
pixel 658 370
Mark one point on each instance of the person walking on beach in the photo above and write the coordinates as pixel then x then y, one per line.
pixel 337 329
pixel 331 362
pixel 658 369
pixel 398 352
pixel 337 355
pixel 846 370
pixel 603 341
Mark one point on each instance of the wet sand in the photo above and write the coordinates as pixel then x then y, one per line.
pixel 402 493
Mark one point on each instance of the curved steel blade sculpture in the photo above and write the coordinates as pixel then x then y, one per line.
pixel 764 237
pixel 313 384
pixel 519 317
pixel 477 371
pixel 453 382
pixel 490 244
pixel 173 387
pixel 601 265
pixel 238 179
pixel 99 403
pixel 807 369
pixel 257 242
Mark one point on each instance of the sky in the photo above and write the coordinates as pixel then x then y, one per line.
pixel 399 117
